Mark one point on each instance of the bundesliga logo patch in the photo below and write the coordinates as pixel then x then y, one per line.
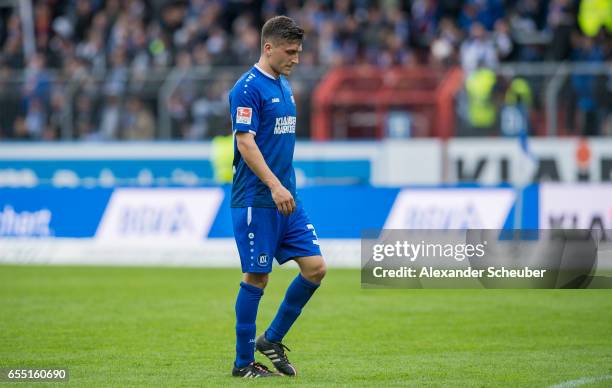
pixel 243 115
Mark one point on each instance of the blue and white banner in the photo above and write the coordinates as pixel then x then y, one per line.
pixel 194 214
pixel 71 165
pixel 192 226
pixel 50 212
pixel 389 163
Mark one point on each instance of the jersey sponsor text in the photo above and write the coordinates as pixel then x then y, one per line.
pixel 285 124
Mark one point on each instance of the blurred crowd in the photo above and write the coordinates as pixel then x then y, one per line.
pixel 98 65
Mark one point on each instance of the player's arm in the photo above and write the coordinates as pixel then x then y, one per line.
pixel 254 159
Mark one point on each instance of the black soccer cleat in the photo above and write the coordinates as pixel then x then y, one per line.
pixel 253 371
pixel 275 351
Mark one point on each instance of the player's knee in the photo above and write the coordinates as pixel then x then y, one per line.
pixel 321 271
pixel 259 280
pixel 316 273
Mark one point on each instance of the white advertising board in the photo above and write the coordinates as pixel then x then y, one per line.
pixel 450 208
pixel 495 161
pixel 571 206
pixel 159 216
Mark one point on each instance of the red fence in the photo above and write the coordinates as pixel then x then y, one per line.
pixel 355 102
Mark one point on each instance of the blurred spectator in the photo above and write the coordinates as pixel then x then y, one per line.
pixel 37 83
pixel 92 48
pixel 529 16
pixel 527 23
pixel 61 45
pixel 329 45
pixel 594 16
pixel 590 107
pixel 183 96
pixel 36 118
pixel 485 12
pixel 117 75
pixel 423 22
pixel 9 101
pixel 480 87
pixel 110 118
pixel 12 50
pixel 561 20
pixel 84 117
pixel 81 18
pixel 515 114
pixel 21 130
pixel 245 44
pixel 42 24
pixel 207 110
pixel 138 122
pixel 56 113
pixel 222 158
pixel 179 116
pixel 478 50
pixel 445 46
pixel 201 56
pixel 502 40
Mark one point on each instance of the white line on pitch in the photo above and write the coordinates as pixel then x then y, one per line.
pixel 581 381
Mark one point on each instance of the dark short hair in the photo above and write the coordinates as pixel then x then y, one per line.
pixel 281 28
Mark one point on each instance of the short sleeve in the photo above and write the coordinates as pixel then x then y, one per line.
pixel 244 106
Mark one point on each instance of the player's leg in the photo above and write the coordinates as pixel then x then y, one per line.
pixel 299 292
pixel 247 303
pixel 300 244
pixel 250 237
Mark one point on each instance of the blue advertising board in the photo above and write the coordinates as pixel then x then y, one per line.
pixel 338 212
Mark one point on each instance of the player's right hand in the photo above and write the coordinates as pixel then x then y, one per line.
pixel 284 200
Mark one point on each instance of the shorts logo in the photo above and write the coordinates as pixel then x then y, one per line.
pixel 262 260
pixel 244 115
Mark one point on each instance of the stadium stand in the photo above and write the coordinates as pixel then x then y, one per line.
pixel 135 69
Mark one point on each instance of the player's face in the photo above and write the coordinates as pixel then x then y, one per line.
pixel 284 56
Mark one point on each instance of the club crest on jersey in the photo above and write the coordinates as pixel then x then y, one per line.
pixel 285 124
pixel 244 115
pixel 262 260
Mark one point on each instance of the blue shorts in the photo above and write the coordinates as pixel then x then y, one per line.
pixel 264 233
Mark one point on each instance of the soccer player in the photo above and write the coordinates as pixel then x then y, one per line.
pixel 268 218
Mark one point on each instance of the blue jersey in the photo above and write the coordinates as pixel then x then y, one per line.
pixel 264 106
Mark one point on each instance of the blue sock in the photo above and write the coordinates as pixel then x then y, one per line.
pixel 247 303
pixel 298 294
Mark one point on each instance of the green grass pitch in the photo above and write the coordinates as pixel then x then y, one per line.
pixel 174 327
